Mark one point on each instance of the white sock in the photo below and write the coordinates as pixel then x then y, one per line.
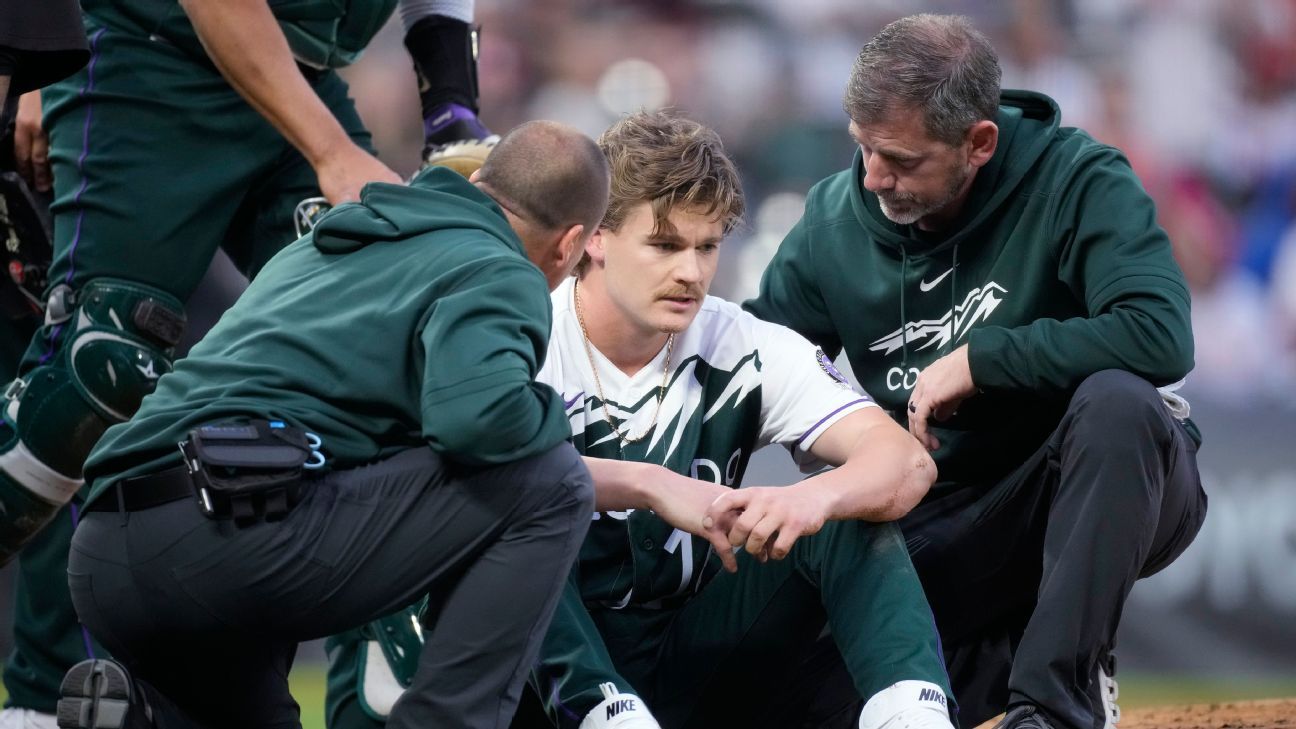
pixel 907 705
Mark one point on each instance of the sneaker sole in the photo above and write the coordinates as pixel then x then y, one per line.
pixel 96 695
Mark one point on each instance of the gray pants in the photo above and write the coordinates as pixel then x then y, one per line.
pixel 207 615
pixel 1028 576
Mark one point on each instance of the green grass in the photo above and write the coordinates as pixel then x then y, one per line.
pixel 1142 690
pixel 307 684
pixel 1137 690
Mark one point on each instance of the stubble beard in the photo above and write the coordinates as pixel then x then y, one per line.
pixel 916 208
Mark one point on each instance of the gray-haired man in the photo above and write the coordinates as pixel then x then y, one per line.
pixel 1000 282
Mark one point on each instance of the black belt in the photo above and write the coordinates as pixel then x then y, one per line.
pixel 145 492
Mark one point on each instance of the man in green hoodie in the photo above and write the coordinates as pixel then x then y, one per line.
pixel 1001 286
pixel 398 343
pixel 197 124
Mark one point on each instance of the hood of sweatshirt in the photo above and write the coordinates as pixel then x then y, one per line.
pixel 1027 123
pixel 437 198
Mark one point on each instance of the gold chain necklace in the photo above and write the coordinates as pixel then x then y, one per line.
pixel 623 439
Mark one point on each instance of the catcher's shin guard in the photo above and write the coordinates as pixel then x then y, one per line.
pixel 390 652
pixel 112 340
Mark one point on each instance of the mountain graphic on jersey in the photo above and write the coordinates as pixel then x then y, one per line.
pixel 977 306
pixel 735 384
pixel 707 427
pixel 697 393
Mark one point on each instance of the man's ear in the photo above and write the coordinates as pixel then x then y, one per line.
pixel 570 248
pixel 475 176
pixel 597 247
pixel 983 139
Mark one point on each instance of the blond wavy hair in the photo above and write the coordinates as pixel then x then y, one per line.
pixel 671 163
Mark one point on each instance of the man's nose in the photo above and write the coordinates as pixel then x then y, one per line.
pixel 877 176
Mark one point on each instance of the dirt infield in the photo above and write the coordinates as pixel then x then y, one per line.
pixel 1266 714
pixel 1269 714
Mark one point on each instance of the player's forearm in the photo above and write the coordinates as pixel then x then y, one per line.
pixel 619 485
pixel 679 500
pixel 245 42
pixel 886 474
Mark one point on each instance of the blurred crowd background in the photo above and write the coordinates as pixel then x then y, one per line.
pixel 1200 94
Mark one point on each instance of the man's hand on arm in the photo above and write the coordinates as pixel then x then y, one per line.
pixel 679 500
pixel 245 42
pixel 31 144
pixel 767 520
pixel 881 474
pixel 938 392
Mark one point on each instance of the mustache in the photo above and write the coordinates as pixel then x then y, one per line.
pixel 680 292
pixel 892 198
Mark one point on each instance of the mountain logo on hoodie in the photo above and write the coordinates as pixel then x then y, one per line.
pixel 977 306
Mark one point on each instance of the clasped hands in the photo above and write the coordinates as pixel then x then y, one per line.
pixel 764 520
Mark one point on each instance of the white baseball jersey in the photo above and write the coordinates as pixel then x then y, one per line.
pixel 736 384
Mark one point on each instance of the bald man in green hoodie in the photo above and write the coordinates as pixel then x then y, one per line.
pixel 1000 284
pixel 396 346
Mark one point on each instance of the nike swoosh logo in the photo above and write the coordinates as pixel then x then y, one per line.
pixel 925 287
pixel 568 403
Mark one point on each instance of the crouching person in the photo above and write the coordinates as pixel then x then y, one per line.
pixel 360 431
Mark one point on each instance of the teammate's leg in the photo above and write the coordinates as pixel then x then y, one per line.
pixel 142 197
pixel 48 639
pixel 1128 502
pixel 1089 502
pixel 986 543
pixel 739 640
pixel 263 224
pixel 348 659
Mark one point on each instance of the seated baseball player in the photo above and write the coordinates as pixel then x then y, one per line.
pixel 668 392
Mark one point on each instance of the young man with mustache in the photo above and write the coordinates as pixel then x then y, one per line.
pixel 669 392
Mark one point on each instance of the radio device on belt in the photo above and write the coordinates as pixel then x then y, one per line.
pixel 249 471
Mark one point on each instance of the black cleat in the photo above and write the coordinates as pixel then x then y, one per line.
pixel 1025 716
pixel 99 694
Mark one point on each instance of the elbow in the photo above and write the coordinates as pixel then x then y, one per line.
pixel 480 442
pixel 916 478
pixel 1170 362
pixel 1168 353
pixel 467 446
pixel 1179 360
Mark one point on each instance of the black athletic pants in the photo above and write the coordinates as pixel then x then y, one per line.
pixel 1027 578
pixel 208 615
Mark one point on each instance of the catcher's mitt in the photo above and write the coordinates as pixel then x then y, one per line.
pixel 464 157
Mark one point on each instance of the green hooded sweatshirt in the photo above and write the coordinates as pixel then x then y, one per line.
pixel 1055 269
pixel 411 318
